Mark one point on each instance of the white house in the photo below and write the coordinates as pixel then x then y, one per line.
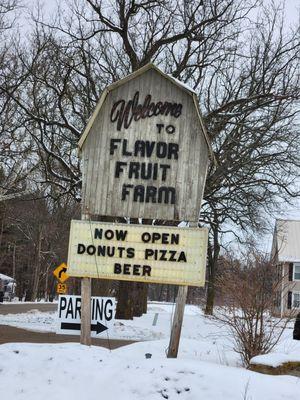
pixel 286 254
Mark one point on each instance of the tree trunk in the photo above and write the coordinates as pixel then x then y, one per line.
pixel 46 291
pixel 37 269
pixel 213 255
pixel 141 289
pixel 125 301
pixel 138 299
pixel 210 299
pixel 145 298
pixel 168 293
pixel 132 296
pixel 160 296
pixel 101 287
pixel 14 262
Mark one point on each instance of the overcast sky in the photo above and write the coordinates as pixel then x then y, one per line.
pixel 292 9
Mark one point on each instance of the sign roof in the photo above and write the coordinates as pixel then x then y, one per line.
pixel 128 78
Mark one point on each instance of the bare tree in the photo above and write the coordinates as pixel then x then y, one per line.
pixel 7 16
pixel 254 124
pixel 243 67
pixel 34 240
pixel 70 60
pixel 249 289
pixel 15 147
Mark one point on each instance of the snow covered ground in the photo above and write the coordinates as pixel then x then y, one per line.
pixel 33 320
pixel 74 372
pixel 207 366
pixel 214 342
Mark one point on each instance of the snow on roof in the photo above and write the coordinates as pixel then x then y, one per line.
pixel 287 240
pixel 6 278
pixel 180 83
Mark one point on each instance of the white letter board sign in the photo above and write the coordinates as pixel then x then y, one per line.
pixel 141 253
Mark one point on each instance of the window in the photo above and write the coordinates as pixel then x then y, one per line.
pixel 296 300
pixel 297 272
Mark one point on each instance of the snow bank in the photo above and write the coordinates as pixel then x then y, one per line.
pixel 275 359
pixel 287 350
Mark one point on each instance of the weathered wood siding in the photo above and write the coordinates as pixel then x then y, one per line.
pixel 102 190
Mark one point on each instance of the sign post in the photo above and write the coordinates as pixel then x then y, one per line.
pixel 85 336
pixel 86 291
pixel 178 318
pixel 177 322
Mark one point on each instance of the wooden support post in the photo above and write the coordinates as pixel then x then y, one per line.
pixel 177 322
pixel 86 283
pixel 85 334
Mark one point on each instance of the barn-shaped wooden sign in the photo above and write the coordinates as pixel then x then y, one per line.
pixel 145 151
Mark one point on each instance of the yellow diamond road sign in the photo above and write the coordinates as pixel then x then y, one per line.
pixel 61 273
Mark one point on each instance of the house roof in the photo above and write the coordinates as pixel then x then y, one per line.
pixel 286 243
pixel 128 78
pixel 6 278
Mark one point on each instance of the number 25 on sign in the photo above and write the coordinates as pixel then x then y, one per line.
pixel 61 288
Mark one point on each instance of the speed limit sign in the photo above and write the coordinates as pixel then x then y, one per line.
pixel 61 288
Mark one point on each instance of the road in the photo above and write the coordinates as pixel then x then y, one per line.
pixel 10 334
pixel 18 308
